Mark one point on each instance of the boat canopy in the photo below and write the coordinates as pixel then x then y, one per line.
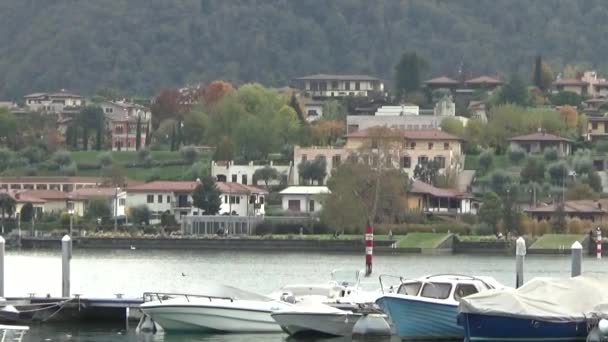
pixel 547 299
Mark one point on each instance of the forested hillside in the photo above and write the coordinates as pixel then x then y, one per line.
pixel 140 46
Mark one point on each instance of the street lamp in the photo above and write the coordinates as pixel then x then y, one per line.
pixel 71 212
pixel 116 209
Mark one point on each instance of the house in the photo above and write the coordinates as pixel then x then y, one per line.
pixel 411 147
pixel 541 141
pixel 229 171
pixel 57 103
pixel 597 128
pixel 572 85
pixel 55 201
pixel 175 197
pixel 327 86
pixel 22 199
pixel 306 199
pixel 65 184
pixel 483 82
pixel 404 116
pixel 122 118
pixel 429 199
pixel 115 197
pixel 313 109
pixel 582 209
pixel 442 82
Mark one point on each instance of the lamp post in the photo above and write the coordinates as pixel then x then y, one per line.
pixel 19 226
pixel 71 212
pixel 116 209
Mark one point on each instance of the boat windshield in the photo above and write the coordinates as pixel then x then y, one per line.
pixel 346 277
pixel 463 290
pixel 436 290
pixel 410 289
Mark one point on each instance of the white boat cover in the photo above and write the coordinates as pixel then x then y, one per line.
pixel 547 299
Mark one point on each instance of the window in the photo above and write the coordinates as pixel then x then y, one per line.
pixel 121 202
pixel 226 199
pixel 251 199
pixel 70 205
pixel 150 199
pixel 374 143
pixel 261 200
pixel 234 178
pixel 440 161
pixel 357 85
pixel 312 112
pixel 304 158
pixel 410 289
pixel 235 199
pixel 347 85
pixel 463 290
pixel 423 160
pixel 168 199
pixel 335 160
pixel 406 162
pixel 293 205
pixel 352 128
pixel 374 161
pixel 412 145
pixel 244 179
pixel 352 158
pixel 238 199
pixel 594 125
pixel 160 198
pixel 436 290
pixel 430 146
pixel 446 146
pixel 334 84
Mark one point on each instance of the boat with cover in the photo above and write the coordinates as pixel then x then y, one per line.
pixel 427 307
pixel 221 309
pixel 316 319
pixel 543 309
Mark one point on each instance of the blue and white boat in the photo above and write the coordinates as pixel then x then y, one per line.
pixel 544 309
pixel 427 307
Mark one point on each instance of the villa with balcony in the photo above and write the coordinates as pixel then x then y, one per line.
pixel 328 86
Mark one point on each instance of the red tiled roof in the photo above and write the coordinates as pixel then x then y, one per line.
pixel 22 197
pixel 579 206
pixel 47 194
pixel 569 82
pixel 539 136
pixel 164 186
pixel 597 118
pixel 94 192
pixel 484 80
pixel 441 80
pixel 420 187
pixel 339 77
pixel 232 188
pixel 49 179
pixel 412 134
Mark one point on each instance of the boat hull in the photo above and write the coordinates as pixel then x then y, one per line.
pixel 497 328
pixel 422 320
pixel 210 319
pixel 299 324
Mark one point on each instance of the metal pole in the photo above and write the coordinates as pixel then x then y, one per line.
pixel 66 256
pixel 71 223
pixel 520 254
pixel 2 242
pixel 599 243
pixel 577 258
pixel 116 211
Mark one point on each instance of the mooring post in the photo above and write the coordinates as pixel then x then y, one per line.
pixel 66 256
pixel 577 258
pixel 2 242
pixel 520 254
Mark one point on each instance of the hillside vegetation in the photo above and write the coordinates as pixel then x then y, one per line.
pixel 140 46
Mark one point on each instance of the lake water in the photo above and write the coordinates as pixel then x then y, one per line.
pixel 98 273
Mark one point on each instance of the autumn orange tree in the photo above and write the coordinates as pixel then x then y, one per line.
pixel 327 132
pixel 215 92
pixel 570 116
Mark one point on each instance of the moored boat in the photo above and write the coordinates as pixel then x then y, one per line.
pixel 544 309
pixel 427 307
pixel 316 319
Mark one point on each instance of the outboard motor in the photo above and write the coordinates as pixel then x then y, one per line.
pixel 288 297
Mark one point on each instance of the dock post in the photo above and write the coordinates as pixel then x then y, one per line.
pixel 2 243
pixel 66 256
pixel 520 254
pixel 577 258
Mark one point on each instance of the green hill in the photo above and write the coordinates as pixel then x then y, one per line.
pixel 139 46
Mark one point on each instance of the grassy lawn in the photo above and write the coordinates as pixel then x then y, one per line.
pixel 329 236
pixel 477 237
pixel 556 241
pixel 420 240
pixel 471 162
pixel 90 157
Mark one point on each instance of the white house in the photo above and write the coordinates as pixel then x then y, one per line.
pixel 53 102
pixel 324 85
pixel 307 199
pixel 228 171
pixel 176 198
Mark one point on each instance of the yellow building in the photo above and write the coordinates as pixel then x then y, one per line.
pixel 597 128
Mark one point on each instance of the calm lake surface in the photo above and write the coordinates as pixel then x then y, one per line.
pixel 97 273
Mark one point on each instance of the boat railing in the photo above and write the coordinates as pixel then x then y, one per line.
pixel 400 278
pixel 160 296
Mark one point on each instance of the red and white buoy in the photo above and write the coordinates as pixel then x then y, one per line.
pixel 599 243
pixel 369 248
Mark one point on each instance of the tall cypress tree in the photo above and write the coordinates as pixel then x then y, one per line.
pixel 538 73
pixel 173 139
pixel 138 134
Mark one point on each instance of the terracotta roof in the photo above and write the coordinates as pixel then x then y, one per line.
pixel 597 118
pixel 164 186
pixel 47 194
pixel 22 197
pixel 329 77
pixel 484 80
pixel 94 192
pixel 236 188
pixel 569 82
pixel 420 187
pixel 579 206
pixel 601 84
pixel 441 80
pixel 539 136
pixel 49 179
pixel 412 134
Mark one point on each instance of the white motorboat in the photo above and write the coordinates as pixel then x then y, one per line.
pixel 222 309
pixel 316 319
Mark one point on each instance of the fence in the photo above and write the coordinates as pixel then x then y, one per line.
pixel 234 225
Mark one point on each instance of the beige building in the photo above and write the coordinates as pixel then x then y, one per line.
pixel 597 128
pixel 323 85
pixel 407 149
pixel 58 103
pixel 541 141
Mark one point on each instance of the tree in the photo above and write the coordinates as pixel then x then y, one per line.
pixel 566 98
pixel 167 219
pixel 27 212
pixel 511 214
pixel 224 150
pixel 100 208
pixel 327 132
pixel 486 159
pixel 8 127
pixel 569 115
pixel 551 154
pixel 315 170
pixel 7 206
pixel 206 196
pixel 334 110
pixel 138 133
pixel 140 214
pixel 215 92
pixel 559 219
pixel 105 159
pixel 516 154
pixel 91 117
pixel 62 158
pixel 500 181
pixel 542 75
pixel 266 174
pixel 167 105
pixel 533 171
pixel 427 172
pixel 408 73
pixel 558 171
pixel 514 92
pixel 594 181
pixel 189 153
pixel 491 210
pixel 453 126
pixel 581 191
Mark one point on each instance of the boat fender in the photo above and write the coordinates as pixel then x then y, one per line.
pixel 603 326
pixel 372 325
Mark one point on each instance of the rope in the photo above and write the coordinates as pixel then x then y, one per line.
pixel 56 312
pixel 44 306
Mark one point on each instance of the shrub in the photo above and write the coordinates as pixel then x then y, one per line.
pixel 469 218
pixel 486 159
pixel 516 154
pixel 153 175
pixel 167 219
pixel 69 170
pixel 62 158
pixel 105 159
pixel 189 153
pixel 551 154
pixel 32 154
pixel 143 155
pixel 483 229
pixel 140 214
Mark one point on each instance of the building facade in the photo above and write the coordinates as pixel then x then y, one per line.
pixel 327 86
pixel 65 184
pixel 540 142
pixel 122 119
pixel 597 128
pixel 303 199
pixel 229 171
pixel 57 103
